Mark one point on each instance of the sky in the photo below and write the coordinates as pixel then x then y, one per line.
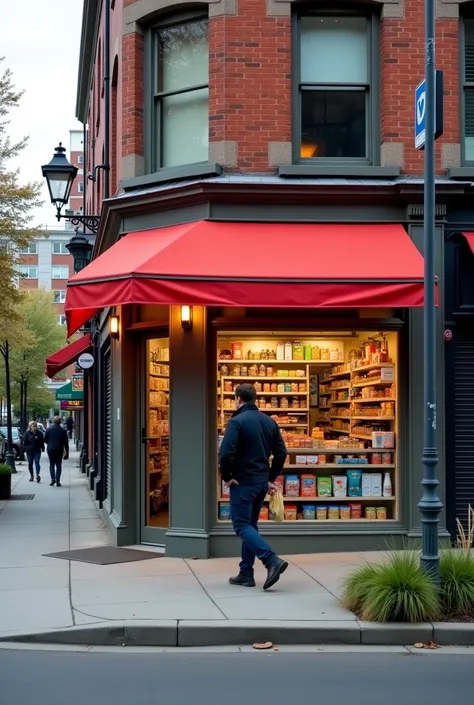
pixel 39 40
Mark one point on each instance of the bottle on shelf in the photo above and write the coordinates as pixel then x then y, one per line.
pixel 387 485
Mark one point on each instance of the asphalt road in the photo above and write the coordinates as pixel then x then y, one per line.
pixel 69 678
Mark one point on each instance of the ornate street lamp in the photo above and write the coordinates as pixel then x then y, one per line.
pixel 60 175
pixel 81 250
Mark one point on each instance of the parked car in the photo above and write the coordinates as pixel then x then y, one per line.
pixel 17 442
pixel 3 447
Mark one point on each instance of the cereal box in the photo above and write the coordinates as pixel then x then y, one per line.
pixel 339 484
pixel 308 485
pixel 301 459
pixel 224 512
pixel 312 459
pixel 324 487
pixel 264 514
pixel 309 511
pixel 292 486
pixel 290 512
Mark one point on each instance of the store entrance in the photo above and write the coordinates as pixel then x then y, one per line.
pixel 155 441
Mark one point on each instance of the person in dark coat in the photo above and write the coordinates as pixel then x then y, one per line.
pixel 33 443
pixel 57 445
pixel 69 426
pixel 251 437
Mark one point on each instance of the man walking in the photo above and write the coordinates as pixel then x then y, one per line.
pixel 250 438
pixel 57 445
pixel 69 426
pixel 34 446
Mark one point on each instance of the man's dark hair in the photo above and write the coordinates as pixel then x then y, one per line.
pixel 246 392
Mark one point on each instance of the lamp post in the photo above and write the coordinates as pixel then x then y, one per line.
pixel 430 505
pixel 9 455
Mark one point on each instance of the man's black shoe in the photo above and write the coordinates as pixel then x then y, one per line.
pixel 51 484
pixel 242 580
pixel 274 571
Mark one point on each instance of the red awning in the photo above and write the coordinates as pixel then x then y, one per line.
pixel 66 356
pixel 252 264
pixel 470 240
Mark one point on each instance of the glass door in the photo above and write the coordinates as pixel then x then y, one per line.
pixel 156 442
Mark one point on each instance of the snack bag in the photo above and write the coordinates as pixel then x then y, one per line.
pixel 277 508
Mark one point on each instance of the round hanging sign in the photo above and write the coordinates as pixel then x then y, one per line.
pixel 85 361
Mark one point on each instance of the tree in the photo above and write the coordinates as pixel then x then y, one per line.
pixel 16 202
pixel 45 337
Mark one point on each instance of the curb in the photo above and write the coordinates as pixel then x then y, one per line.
pixel 175 633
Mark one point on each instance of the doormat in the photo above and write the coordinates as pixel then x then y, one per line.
pixel 105 555
pixel 22 496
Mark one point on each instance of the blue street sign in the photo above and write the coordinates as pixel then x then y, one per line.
pixel 420 115
pixel 420 111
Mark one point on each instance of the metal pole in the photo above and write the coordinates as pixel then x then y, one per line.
pixel 430 505
pixel 9 455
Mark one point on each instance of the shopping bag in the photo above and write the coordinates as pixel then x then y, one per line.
pixel 277 507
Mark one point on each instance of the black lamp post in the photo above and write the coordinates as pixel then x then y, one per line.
pixel 81 250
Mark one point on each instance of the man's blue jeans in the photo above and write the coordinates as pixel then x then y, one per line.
pixel 34 458
pixel 55 465
pixel 246 502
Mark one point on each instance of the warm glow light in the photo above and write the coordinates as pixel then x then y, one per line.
pixel 186 316
pixel 308 150
pixel 114 326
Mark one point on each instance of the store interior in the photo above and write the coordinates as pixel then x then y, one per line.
pixel 158 440
pixel 334 397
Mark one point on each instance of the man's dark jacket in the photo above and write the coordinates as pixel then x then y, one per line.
pixel 33 443
pixel 56 439
pixel 69 423
pixel 249 440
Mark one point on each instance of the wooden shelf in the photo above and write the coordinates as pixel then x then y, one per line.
pixel 293 425
pixel 374 418
pixel 360 400
pixel 153 374
pixel 289 411
pixel 339 401
pixel 272 394
pixel 311 500
pixel 375 366
pixel 343 387
pixel 337 375
pixel 325 394
pixel 373 383
pixel 343 418
pixel 337 451
pixel 336 466
pixel 326 363
pixel 366 438
pixel 268 379
pixel 323 521
pixel 339 430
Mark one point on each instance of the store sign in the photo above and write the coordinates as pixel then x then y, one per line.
pixel 85 361
pixel 420 110
pixel 78 383
pixel 71 405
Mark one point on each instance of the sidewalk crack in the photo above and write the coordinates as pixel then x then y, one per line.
pixel 206 592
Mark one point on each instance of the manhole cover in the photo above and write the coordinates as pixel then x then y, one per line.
pixel 22 496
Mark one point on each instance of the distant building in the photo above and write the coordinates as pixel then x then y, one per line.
pixel 76 157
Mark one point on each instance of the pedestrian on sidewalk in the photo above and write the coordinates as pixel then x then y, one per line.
pixel 34 445
pixel 251 437
pixel 69 426
pixel 57 445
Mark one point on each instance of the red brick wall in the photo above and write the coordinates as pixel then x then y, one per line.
pixel 132 94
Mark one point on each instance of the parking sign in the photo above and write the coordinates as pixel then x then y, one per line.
pixel 420 110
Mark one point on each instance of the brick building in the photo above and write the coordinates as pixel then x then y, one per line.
pixel 270 134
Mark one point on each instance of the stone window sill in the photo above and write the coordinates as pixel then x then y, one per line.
pixel 175 173
pixel 334 171
pixel 461 172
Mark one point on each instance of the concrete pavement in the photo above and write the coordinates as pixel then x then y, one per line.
pixel 164 601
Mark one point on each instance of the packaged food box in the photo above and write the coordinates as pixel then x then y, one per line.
pixel 312 459
pixel 321 512
pixel 366 484
pixel 386 458
pixel 292 486
pixel 376 484
pixel 339 484
pixel 345 512
pixel 370 513
pixel 322 459
pixel 300 460
pixel 264 514
pixel 381 512
pixel 291 512
pixel 333 513
pixel 283 373
pixel 308 485
pixel 224 512
pixel 225 490
pixel 383 439
pixel 309 511
pixel 387 374
pixel 356 510
pixel 324 487
pixel 280 483
pixel 354 483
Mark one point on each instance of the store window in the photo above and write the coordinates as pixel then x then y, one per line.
pixel 180 94
pixel 337 69
pixel 334 397
pixel 28 272
pixel 467 74
pixel 59 248
pixel 59 296
pixel 60 271
pixel 157 434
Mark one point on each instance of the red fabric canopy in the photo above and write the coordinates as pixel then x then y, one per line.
pixel 66 356
pixel 252 264
pixel 470 240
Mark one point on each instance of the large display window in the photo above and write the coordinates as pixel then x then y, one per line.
pixel 334 397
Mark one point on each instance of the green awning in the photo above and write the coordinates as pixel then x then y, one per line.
pixel 66 393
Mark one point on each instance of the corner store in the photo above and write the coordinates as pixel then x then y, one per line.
pixel 194 529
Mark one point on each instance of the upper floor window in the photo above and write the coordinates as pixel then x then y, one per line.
pixel 81 187
pixel 59 248
pixel 62 319
pixel 80 159
pixel 468 90
pixel 336 96
pixel 59 296
pixel 31 249
pixel 28 272
pixel 59 271
pixel 180 94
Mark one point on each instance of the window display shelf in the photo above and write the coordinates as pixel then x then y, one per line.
pixel 271 394
pixel 335 466
pixel 246 361
pixel 153 374
pixel 256 378
pixel 367 438
pixel 336 375
pixel 374 418
pixel 373 383
pixel 310 500
pixel 375 366
pixel 338 430
pixel 341 388
pixel 363 400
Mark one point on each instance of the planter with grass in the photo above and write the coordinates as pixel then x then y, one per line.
pixel 5 482
pixel 456 569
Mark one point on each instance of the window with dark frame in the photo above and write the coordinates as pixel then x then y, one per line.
pixel 181 93
pixel 468 91
pixel 334 108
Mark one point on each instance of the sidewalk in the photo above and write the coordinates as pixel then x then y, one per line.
pixel 164 601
